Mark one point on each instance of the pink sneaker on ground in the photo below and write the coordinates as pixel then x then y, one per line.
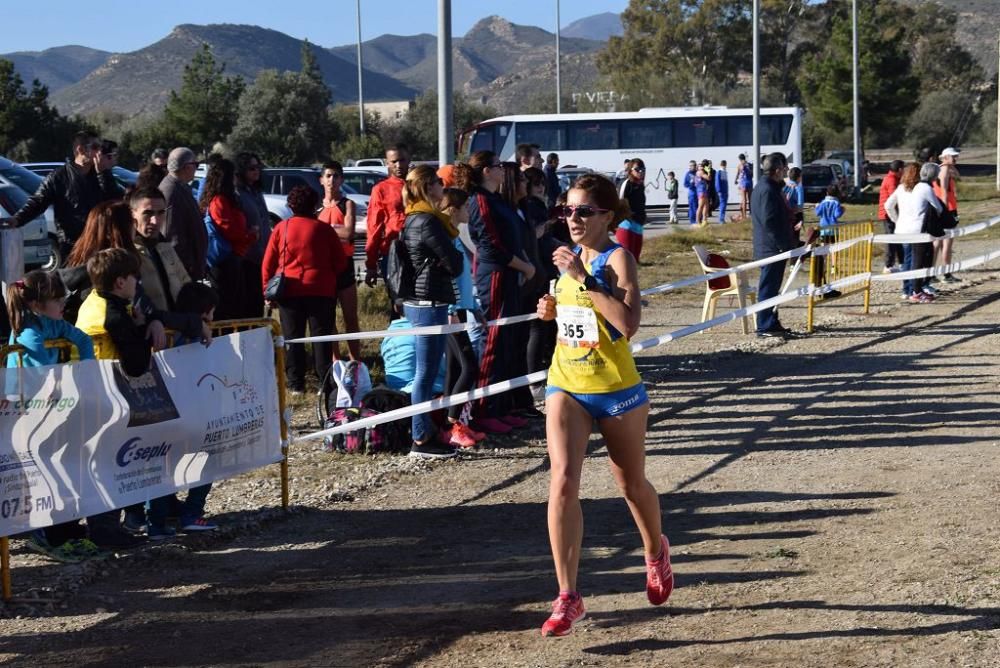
pixel 514 421
pixel 659 575
pixel 492 426
pixel 567 610
pixel 461 436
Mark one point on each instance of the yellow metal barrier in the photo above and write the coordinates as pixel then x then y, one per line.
pixel 851 261
pixel 219 328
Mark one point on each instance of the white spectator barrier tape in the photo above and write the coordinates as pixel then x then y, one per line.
pixel 693 280
pixel 414 331
pixel 539 376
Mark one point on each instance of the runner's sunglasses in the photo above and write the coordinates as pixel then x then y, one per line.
pixel 584 211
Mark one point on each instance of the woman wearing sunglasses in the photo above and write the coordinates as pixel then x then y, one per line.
pixel 629 232
pixel 593 377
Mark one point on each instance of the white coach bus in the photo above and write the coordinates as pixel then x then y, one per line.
pixel 666 139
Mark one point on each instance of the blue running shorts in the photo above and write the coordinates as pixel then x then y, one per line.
pixel 607 404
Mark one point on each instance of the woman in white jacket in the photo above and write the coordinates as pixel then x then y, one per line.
pixel 907 207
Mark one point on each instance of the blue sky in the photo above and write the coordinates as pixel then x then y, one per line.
pixel 127 25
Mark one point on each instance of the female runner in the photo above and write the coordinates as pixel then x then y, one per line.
pixel 593 377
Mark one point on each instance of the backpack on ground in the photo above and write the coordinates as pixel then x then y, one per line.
pixel 390 437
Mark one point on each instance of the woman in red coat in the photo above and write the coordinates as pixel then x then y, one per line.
pixel 235 276
pixel 310 256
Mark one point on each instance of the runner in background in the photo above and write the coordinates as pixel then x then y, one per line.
pixel 633 191
pixel 593 377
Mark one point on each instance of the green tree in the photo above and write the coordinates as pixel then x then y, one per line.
pixel 887 83
pixel 31 129
pixel 205 109
pixel 939 60
pixel 419 128
pixel 348 142
pixel 676 52
pixel 284 116
pixel 932 125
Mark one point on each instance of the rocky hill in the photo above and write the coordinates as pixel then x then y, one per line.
pixel 501 63
pixel 58 67
pixel 598 27
pixel 140 82
pixel 978 26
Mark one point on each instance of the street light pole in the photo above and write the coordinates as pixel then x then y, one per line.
pixel 755 158
pixel 558 58
pixel 446 140
pixel 361 92
pixel 857 97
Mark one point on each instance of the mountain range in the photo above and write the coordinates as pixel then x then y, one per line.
pixel 508 66
pixel 496 62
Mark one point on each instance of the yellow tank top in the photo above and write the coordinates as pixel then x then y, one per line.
pixel 591 356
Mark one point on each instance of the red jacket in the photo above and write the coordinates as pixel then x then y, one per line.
pixel 889 185
pixel 386 216
pixel 311 260
pixel 232 222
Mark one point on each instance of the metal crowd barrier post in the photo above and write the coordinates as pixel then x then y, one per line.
pixel 232 326
pixel 851 261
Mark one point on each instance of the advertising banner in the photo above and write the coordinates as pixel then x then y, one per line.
pixel 79 439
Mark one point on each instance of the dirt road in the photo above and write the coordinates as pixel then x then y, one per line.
pixel 831 500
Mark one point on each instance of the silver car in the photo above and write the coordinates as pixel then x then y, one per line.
pixel 37 251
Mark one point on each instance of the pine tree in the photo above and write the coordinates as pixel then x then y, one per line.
pixel 205 109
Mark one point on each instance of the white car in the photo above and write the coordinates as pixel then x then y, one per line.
pixel 37 250
pixel 277 182
pixel 13 174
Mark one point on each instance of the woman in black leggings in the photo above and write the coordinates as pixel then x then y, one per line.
pixel 462 369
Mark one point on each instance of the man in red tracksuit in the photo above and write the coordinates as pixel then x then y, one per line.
pixel 385 213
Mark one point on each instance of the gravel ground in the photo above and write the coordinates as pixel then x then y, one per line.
pixel 830 500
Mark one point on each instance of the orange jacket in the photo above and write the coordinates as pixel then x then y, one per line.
pixel 386 216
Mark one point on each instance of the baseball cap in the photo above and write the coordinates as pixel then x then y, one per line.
pixel 951 150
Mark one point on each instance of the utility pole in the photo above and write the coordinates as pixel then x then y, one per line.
pixel 446 134
pixel 998 114
pixel 755 159
pixel 361 91
pixel 857 98
pixel 558 59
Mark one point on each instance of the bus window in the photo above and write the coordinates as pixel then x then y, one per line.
pixel 647 133
pixel 700 131
pixel 775 129
pixel 490 137
pixel 549 136
pixel 740 129
pixel 592 135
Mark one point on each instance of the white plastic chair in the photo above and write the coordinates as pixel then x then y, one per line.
pixel 724 286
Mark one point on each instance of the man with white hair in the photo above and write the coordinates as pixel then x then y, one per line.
pixel 183 226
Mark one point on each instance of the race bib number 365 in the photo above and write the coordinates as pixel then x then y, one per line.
pixel 577 326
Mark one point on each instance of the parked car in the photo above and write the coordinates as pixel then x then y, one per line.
pixel 37 249
pixel 367 162
pixel 11 173
pixel 281 180
pixel 125 178
pixel 816 178
pixel 844 180
pixel 363 179
pixel 567 175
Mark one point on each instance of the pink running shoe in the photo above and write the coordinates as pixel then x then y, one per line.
pixel 492 426
pixel 659 575
pixel 461 436
pixel 514 421
pixel 567 610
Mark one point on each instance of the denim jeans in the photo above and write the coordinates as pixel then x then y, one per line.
pixel 190 509
pixel 769 286
pixel 430 355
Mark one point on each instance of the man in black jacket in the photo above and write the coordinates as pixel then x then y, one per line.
pixel 772 235
pixel 75 188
